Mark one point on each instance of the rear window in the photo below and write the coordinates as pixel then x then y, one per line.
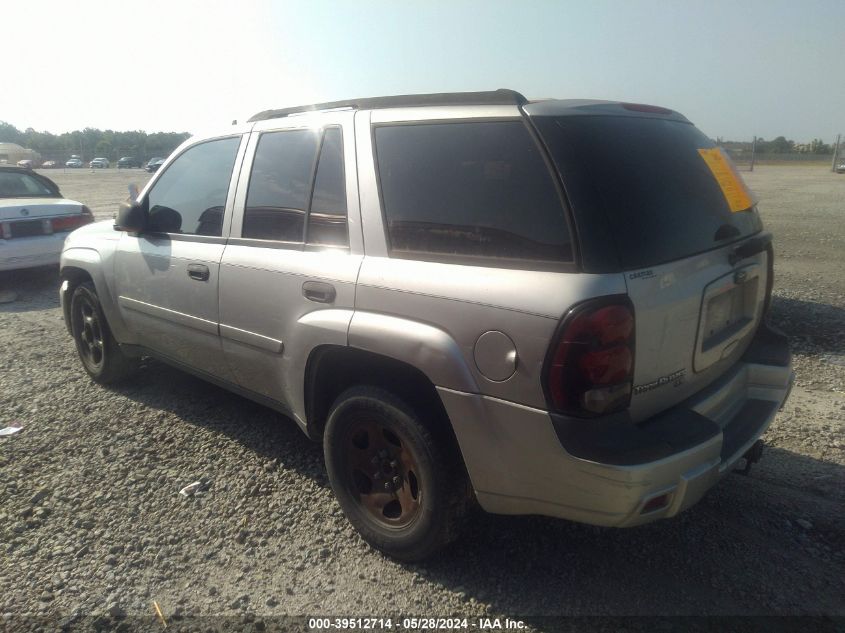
pixel 467 190
pixel 642 184
pixel 21 185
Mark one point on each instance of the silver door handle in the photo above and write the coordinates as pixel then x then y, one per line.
pixel 319 291
pixel 199 272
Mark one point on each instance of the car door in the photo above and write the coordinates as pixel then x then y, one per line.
pixel 287 277
pixel 167 277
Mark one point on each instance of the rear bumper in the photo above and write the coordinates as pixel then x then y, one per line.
pixel 523 460
pixel 30 252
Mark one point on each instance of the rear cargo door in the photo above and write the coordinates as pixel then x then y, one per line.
pixel 694 319
pixel 658 201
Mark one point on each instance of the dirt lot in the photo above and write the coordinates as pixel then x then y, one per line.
pixel 91 523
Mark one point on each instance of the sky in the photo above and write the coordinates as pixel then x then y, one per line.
pixel 735 68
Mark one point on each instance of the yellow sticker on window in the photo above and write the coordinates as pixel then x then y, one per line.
pixel 736 193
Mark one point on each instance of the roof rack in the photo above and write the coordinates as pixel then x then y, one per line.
pixel 492 97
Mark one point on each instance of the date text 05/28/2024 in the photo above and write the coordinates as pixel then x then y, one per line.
pixel 415 624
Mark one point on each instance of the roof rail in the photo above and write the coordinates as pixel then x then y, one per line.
pixel 492 97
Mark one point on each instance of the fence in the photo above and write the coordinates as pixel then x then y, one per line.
pixel 745 156
pixel 64 155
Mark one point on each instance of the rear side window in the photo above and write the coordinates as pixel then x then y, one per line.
pixel 296 190
pixel 280 184
pixel 190 196
pixel 642 183
pixel 327 218
pixel 469 190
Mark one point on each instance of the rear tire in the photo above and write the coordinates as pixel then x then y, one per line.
pixel 99 352
pixel 395 484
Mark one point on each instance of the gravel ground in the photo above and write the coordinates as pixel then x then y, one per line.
pixel 92 525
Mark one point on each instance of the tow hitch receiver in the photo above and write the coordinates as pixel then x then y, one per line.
pixel 752 455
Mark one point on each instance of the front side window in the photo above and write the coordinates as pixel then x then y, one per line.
pixel 296 189
pixel 469 190
pixel 190 196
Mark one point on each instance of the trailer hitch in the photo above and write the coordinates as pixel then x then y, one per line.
pixel 751 456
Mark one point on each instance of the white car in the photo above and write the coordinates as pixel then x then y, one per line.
pixel 100 163
pixel 34 219
pixel 840 168
pixel 74 163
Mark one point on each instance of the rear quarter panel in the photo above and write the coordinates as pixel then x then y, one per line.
pixel 468 301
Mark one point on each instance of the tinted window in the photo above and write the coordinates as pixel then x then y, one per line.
pixel 470 189
pixel 642 183
pixel 280 185
pixel 191 195
pixel 327 219
pixel 20 185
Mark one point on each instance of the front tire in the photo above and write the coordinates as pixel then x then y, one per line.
pixel 99 352
pixel 395 483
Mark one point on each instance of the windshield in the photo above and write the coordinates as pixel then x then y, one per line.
pixel 646 186
pixel 17 185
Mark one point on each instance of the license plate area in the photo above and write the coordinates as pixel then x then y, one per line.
pixel 26 228
pixel 729 312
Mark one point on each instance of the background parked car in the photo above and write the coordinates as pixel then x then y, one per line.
pixel 34 219
pixel 74 163
pixel 840 168
pixel 128 161
pixel 99 163
pixel 154 164
pixel 49 164
pixel 26 163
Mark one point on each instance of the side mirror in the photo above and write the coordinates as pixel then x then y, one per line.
pixel 131 217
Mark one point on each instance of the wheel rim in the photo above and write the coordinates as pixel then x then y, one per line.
pixel 383 473
pixel 91 345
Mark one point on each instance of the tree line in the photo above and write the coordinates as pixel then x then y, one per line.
pixel 92 142
pixel 779 145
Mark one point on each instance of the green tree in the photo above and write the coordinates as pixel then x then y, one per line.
pixel 9 133
pixel 817 146
pixel 103 148
pixel 781 145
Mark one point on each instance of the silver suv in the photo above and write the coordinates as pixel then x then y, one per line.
pixel 550 307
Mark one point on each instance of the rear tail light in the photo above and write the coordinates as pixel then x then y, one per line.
pixel 590 368
pixel 71 222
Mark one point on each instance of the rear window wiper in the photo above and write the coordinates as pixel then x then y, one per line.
pixel 726 232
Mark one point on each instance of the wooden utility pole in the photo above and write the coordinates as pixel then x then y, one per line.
pixel 835 153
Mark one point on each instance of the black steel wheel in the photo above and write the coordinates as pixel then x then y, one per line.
pixel 99 352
